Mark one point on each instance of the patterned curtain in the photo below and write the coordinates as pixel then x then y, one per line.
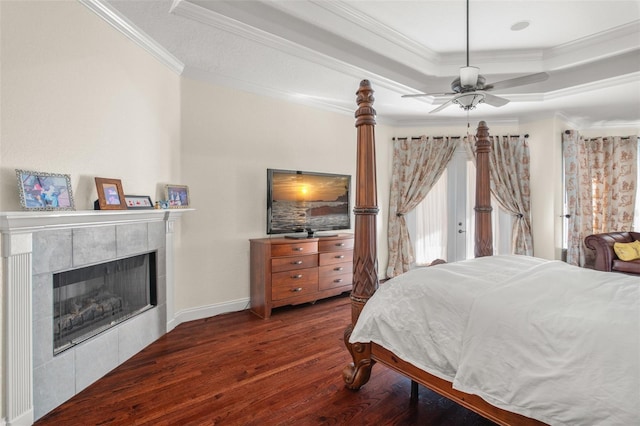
pixel 510 177
pixel 600 181
pixel 417 165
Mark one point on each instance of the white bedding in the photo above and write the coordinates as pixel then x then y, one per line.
pixel 541 338
pixel 422 314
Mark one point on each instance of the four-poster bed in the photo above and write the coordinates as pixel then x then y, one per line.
pixel 435 344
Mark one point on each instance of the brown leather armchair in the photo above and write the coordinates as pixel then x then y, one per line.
pixel 606 258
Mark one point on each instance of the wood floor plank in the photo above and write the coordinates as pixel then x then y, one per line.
pixel 238 369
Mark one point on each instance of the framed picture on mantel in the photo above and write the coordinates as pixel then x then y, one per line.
pixel 177 196
pixel 135 202
pixel 110 194
pixel 44 191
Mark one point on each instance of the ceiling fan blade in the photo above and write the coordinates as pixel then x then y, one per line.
pixel 518 81
pixel 441 107
pixel 418 95
pixel 494 100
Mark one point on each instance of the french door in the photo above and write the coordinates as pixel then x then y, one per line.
pixel 442 225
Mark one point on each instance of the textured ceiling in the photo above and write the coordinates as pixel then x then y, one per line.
pixel 316 52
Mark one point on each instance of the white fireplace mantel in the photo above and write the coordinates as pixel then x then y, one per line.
pixel 29 221
pixel 17 229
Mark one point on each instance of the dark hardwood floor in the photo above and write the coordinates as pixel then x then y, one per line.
pixel 238 369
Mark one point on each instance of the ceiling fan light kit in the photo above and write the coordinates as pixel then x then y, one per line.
pixel 468 101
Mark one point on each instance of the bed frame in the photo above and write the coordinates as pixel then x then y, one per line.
pixel 365 272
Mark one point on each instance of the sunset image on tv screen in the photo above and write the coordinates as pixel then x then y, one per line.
pixel 301 201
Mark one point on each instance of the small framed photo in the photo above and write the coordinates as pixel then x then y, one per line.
pixel 110 194
pixel 177 196
pixel 44 191
pixel 135 202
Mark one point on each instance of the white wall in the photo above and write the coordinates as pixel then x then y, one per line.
pixel 229 139
pixel 80 98
pixel 545 148
pixel 611 131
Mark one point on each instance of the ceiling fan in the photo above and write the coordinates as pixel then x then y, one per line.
pixel 470 88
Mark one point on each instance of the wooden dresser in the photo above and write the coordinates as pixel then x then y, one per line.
pixel 291 271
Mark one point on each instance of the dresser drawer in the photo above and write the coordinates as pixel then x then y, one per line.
pixel 335 269
pixel 294 283
pixel 293 248
pixel 333 245
pixel 335 280
pixel 294 262
pixel 336 257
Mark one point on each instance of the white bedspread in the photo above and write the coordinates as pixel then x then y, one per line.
pixel 541 338
pixel 422 314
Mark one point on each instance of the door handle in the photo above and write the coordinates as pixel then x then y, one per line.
pixel 460 231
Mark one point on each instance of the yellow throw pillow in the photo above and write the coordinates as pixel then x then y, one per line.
pixel 627 251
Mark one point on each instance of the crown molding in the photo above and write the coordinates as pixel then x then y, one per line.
pixel 454 121
pixel 597 125
pixel 568 121
pixel 366 22
pixel 595 85
pixel 124 26
pixel 205 16
pixel 595 47
pixel 618 124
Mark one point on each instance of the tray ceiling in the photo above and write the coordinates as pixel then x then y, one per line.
pixel 316 52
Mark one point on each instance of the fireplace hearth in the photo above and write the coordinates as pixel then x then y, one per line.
pixel 93 299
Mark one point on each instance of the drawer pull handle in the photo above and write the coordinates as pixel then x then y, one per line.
pixel 295 290
pixel 339 256
pixel 339 244
pixel 297 248
pixel 339 268
pixel 337 280
pixel 297 262
pixel 295 277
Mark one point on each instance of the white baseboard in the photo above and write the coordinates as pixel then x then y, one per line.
pixel 25 419
pixel 201 312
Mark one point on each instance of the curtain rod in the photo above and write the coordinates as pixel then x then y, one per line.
pixel 420 137
pixel 442 137
pixel 567 132
pixel 607 137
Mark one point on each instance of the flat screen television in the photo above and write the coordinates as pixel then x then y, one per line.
pixel 307 202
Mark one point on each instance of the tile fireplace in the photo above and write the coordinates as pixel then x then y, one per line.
pixel 71 313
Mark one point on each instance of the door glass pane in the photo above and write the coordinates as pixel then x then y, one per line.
pixel 431 224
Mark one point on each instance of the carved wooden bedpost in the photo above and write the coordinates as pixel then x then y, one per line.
pixel 483 237
pixel 365 256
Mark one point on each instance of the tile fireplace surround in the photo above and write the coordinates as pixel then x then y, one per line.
pixel 35 245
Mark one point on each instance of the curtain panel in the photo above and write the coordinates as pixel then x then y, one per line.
pixel 600 183
pixel 510 185
pixel 417 165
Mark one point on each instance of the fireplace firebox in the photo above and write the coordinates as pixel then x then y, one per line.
pixel 90 300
